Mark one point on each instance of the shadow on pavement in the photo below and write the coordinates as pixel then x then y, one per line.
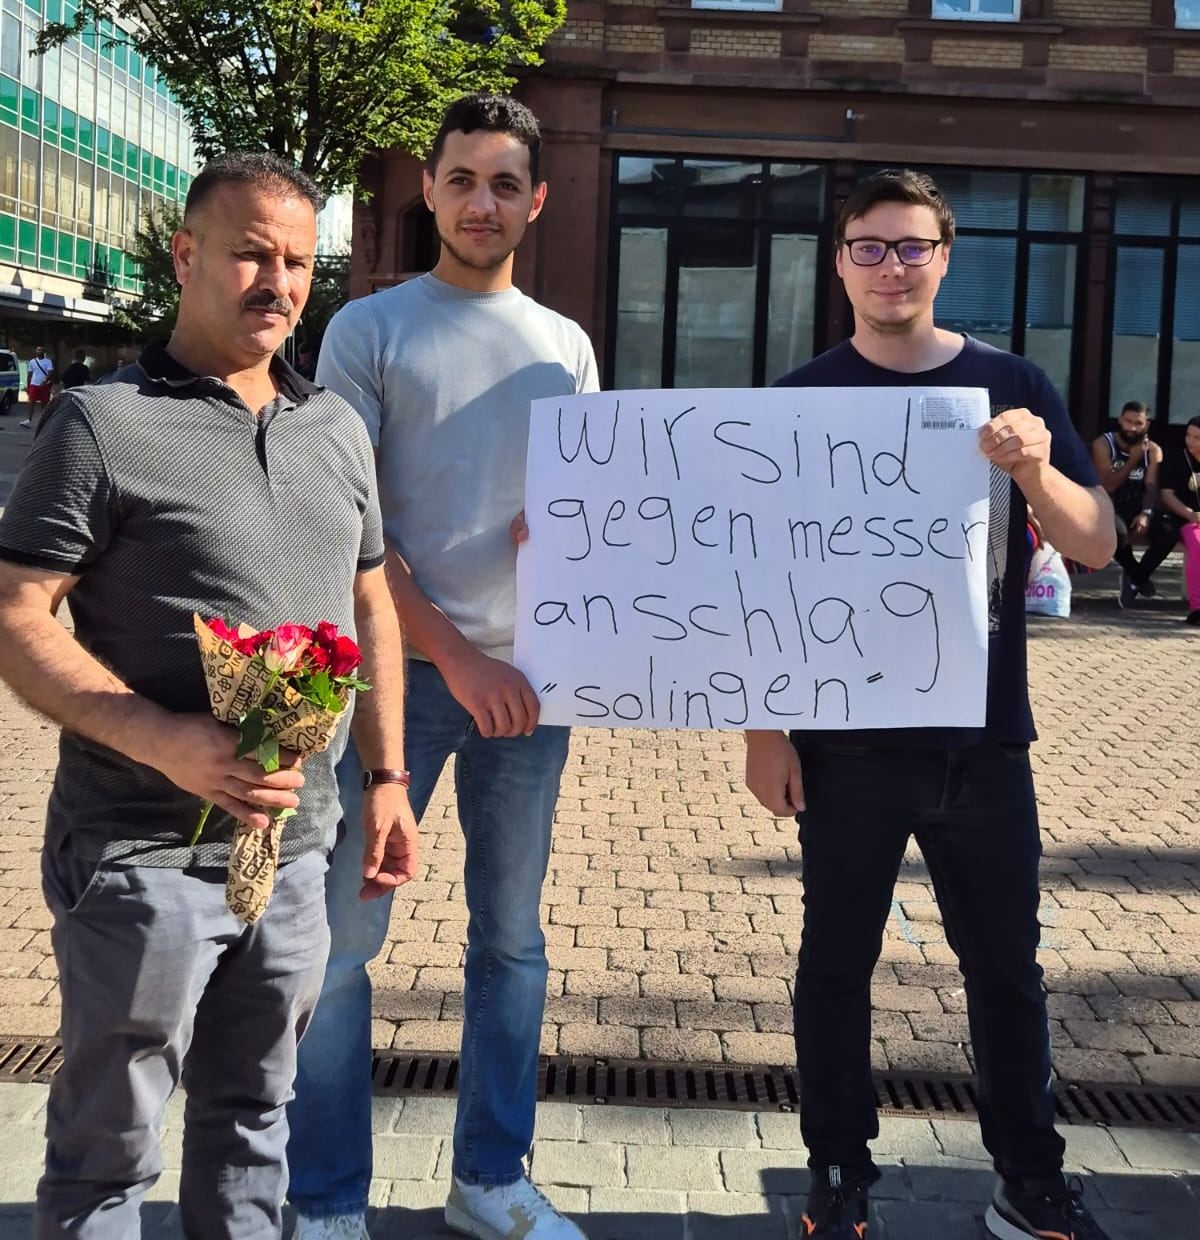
pixel 911 1202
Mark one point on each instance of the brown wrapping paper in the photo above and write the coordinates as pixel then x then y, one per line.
pixel 235 685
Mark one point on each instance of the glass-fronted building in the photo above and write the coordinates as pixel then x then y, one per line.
pixel 90 139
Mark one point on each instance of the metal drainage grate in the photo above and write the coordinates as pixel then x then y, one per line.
pixel 636 1082
pixel 29 1060
pixel 726 1087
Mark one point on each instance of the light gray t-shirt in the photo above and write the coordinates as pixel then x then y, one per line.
pixel 443 378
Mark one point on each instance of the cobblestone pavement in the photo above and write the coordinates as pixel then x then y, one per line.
pixel 672 905
pixel 627 1173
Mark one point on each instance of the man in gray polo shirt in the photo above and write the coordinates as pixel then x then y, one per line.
pixel 206 477
pixel 442 370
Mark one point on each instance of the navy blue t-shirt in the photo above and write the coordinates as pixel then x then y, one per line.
pixel 1012 383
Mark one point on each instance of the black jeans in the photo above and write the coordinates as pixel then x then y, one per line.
pixel 1164 535
pixel 974 816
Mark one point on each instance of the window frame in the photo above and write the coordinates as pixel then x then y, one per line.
pixel 744 6
pixel 764 225
pixel 974 15
pixel 1169 242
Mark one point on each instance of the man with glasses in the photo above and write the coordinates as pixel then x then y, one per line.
pixel 965 794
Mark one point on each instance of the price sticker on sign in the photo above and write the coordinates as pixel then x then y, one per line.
pixel 780 558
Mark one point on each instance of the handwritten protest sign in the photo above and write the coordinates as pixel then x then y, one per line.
pixel 789 558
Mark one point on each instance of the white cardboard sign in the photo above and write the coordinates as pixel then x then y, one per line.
pixel 780 558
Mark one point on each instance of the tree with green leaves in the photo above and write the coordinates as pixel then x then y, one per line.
pixel 154 312
pixel 321 82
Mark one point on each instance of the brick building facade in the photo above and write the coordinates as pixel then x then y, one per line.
pixel 696 154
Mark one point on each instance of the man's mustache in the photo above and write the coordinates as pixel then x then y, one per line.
pixel 268 301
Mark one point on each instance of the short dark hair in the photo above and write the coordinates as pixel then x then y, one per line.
pixel 903 185
pixel 495 114
pixel 263 170
pixel 1192 422
pixel 80 355
pixel 1136 406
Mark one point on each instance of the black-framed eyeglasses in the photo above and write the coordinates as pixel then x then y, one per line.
pixel 911 251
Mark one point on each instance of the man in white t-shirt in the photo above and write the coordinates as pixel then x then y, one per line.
pixel 442 370
pixel 38 385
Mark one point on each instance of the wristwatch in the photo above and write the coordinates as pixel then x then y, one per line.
pixel 385 776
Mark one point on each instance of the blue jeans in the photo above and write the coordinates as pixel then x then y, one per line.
pixel 507 790
pixel 974 816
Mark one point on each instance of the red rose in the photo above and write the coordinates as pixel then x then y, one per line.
pixel 223 631
pixel 253 643
pixel 344 657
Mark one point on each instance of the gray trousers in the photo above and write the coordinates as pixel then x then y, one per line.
pixel 161 984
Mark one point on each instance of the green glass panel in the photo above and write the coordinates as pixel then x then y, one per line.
pixel 86 136
pixel 26 236
pixel 35 5
pixel 131 161
pixel 172 179
pixel 135 66
pixel 68 125
pixel 46 250
pixel 118 150
pixel 8 233
pixel 29 110
pixel 10 96
pixel 160 169
pixel 50 119
pixel 83 256
pixel 53 10
pixel 103 140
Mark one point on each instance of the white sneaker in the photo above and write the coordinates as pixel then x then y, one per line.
pixel 26 424
pixel 334 1227
pixel 506 1212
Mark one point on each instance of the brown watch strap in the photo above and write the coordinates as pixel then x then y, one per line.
pixel 384 775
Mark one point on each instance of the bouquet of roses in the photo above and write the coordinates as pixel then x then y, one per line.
pixel 286 687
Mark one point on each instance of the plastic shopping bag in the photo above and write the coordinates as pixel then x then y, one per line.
pixel 1048 586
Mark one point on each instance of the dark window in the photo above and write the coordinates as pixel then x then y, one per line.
pixel 719 266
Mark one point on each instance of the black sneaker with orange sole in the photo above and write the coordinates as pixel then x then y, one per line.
pixel 837 1207
pixel 1050 1211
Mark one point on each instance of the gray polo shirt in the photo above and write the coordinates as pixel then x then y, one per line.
pixel 167 495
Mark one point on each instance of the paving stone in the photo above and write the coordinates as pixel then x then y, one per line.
pixel 634 1214
pixel 1092 1149
pixel 625 1126
pixel 405 1157
pixel 578 1166
pixel 912 1220
pixel 912 1140
pixel 713 1129
pixel 558 1121
pixel 764 1172
pixel 1177 1151
pixel 691 1169
pixel 734 1216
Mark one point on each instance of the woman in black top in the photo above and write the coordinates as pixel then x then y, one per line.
pixel 1179 496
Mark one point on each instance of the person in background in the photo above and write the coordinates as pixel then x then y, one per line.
pixel 39 385
pixel 1179 498
pixel 1127 462
pixel 78 372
